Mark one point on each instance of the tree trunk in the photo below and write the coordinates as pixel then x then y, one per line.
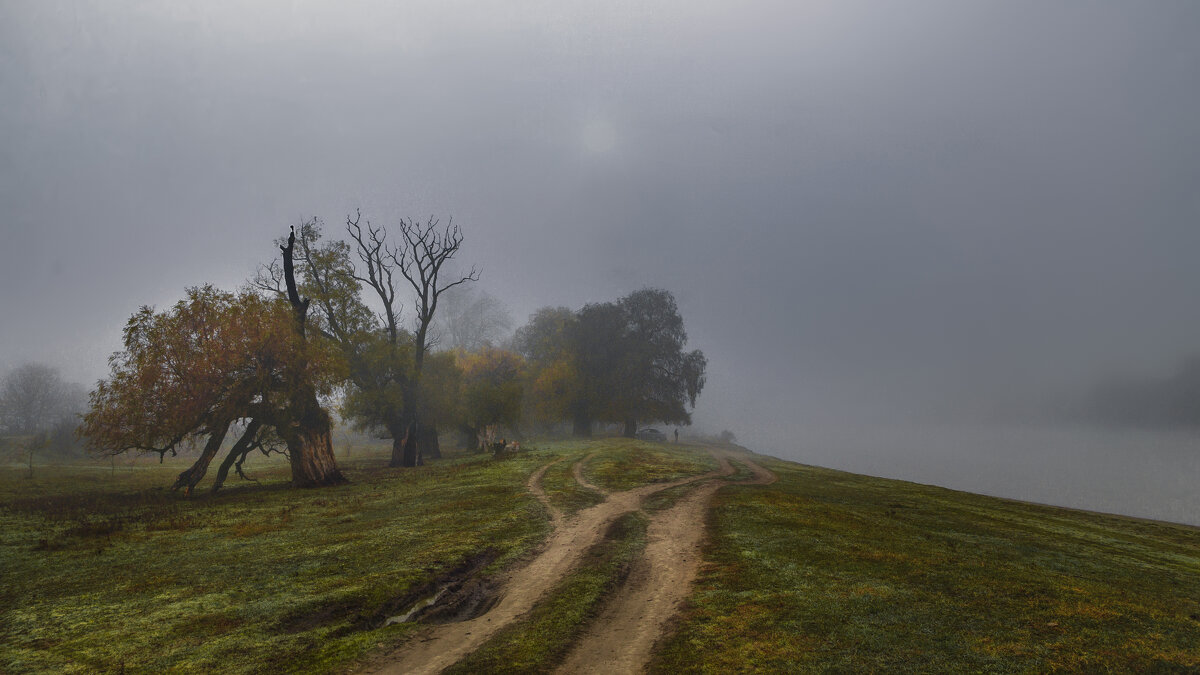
pixel 310 450
pixel 630 428
pixel 582 425
pixel 239 450
pixel 428 443
pixel 310 443
pixel 410 455
pixel 309 432
pixel 397 430
pixel 190 477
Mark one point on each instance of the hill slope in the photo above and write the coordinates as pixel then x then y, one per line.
pixel 825 569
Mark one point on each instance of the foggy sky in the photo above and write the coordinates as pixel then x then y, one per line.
pixel 868 211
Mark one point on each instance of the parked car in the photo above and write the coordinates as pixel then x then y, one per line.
pixel 649 434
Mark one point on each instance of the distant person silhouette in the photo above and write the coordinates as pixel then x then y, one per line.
pixel 676 435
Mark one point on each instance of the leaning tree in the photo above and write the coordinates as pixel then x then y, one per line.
pixel 214 363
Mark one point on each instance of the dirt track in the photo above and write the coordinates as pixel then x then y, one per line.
pixel 620 639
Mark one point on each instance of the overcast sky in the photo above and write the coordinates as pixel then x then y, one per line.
pixel 866 209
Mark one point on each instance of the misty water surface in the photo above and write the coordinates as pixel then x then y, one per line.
pixel 1150 474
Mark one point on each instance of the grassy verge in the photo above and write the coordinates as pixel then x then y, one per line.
pixel 626 463
pixel 540 642
pixel 833 571
pixel 104 571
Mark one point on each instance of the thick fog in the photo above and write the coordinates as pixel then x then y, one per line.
pixel 908 236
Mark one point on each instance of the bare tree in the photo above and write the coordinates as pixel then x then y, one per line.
pixel 33 398
pixel 471 319
pixel 381 262
pixel 385 359
pixel 39 409
pixel 420 258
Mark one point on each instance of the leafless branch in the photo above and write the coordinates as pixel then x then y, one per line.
pixel 377 256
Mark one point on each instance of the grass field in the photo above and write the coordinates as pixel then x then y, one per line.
pixel 822 570
pixel 104 570
pixel 825 570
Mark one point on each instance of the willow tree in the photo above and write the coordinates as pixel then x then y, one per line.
pixel 213 363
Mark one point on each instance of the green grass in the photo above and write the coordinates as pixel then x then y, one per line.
pixel 830 571
pixel 542 639
pixel 823 570
pixel 106 571
pixel 665 499
pixel 626 463
pixel 562 490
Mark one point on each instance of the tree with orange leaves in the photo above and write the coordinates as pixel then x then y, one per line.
pixel 214 362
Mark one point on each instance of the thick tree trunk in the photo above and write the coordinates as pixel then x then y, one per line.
pixel 311 453
pixel 310 445
pixel 309 432
pixel 404 445
pixel 630 428
pixel 239 451
pixel 189 478
pixel 428 443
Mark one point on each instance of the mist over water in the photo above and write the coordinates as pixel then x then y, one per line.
pixel 1148 474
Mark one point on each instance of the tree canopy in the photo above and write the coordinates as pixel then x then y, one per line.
pixel 620 362
pixel 212 362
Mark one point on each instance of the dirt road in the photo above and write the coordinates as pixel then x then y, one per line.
pixel 636 615
pixel 620 640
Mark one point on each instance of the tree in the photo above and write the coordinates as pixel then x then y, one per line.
pixel 385 361
pixel 617 362
pixel 40 410
pixel 598 340
pixel 492 389
pixel 441 399
pixel 375 347
pixel 660 380
pixel 425 250
pixel 214 362
pixel 555 382
pixel 303 425
pixel 471 319
pixel 33 398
